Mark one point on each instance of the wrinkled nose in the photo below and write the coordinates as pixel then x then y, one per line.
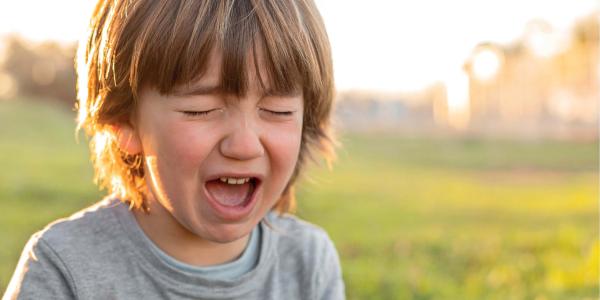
pixel 242 143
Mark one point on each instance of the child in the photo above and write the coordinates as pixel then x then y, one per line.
pixel 201 116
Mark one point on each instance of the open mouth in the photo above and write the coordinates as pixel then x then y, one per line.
pixel 232 191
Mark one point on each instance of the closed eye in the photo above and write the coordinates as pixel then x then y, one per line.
pixel 278 113
pixel 193 113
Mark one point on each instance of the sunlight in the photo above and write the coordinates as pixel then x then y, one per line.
pixel 157 190
pixel 543 40
pixel 457 89
pixel 62 20
pixel 486 63
pixel 400 45
pixel 101 141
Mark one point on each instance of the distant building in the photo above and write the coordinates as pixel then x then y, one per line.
pixel 367 111
pixel 537 95
pixel 530 88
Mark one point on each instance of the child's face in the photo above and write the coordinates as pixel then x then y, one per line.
pixel 195 138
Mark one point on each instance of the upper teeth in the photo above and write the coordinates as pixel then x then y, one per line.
pixel 231 180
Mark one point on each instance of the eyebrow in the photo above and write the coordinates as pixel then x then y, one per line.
pixel 199 90
pixel 292 93
pixel 217 89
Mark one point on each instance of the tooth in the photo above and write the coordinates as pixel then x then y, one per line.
pixel 231 180
pixel 246 179
pixel 240 181
pixel 223 179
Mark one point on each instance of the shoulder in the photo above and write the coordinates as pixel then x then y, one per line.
pixel 300 241
pixel 84 232
pixel 307 250
pixel 291 231
pixel 57 257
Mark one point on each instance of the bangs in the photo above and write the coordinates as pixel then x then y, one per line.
pixel 175 43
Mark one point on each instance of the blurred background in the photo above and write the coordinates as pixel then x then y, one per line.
pixel 469 166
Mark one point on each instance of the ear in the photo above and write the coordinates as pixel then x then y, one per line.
pixel 127 138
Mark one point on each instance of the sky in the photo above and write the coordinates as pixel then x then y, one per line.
pixel 388 45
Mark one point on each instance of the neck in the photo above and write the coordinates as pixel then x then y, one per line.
pixel 183 245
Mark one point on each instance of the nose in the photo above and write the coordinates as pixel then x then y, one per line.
pixel 242 143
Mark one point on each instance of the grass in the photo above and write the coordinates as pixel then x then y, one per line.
pixel 44 174
pixel 413 218
pixel 461 218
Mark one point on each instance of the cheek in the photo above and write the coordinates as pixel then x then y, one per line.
pixel 178 150
pixel 284 146
pixel 184 145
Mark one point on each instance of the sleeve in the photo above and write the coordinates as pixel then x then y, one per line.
pixel 40 274
pixel 329 281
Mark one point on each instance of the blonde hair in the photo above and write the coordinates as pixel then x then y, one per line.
pixel 165 43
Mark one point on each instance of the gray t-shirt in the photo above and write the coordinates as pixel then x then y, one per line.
pixel 100 253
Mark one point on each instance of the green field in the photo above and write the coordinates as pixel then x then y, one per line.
pixel 413 218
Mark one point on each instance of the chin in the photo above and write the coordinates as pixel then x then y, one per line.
pixel 228 233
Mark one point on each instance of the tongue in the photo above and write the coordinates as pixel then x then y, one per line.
pixel 228 194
